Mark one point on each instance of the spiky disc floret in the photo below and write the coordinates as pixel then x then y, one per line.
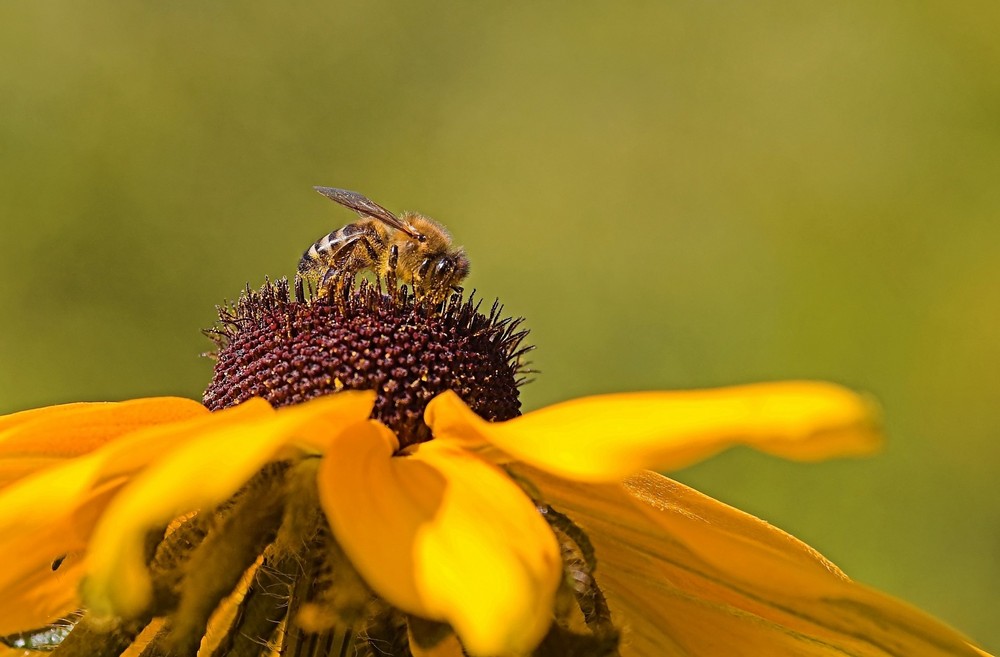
pixel 288 350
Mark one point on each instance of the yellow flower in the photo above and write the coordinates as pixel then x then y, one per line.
pixel 543 532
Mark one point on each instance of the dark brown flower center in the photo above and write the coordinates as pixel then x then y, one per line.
pixel 289 350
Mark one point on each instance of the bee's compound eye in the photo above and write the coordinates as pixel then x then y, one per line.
pixel 421 238
pixel 443 267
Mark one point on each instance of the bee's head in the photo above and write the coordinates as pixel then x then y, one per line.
pixel 443 272
pixel 453 267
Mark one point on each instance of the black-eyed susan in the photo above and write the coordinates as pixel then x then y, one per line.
pixel 359 480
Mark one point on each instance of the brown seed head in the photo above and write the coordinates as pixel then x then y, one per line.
pixel 291 350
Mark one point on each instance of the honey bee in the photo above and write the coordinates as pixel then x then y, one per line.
pixel 412 248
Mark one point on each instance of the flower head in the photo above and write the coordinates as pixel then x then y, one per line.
pixel 359 477
pixel 290 351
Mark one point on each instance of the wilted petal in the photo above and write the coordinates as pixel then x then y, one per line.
pixel 442 534
pixel 688 575
pixel 37 438
pixel 609 437
pixel 214 462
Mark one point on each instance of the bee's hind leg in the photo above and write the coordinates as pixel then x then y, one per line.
pixel 332 279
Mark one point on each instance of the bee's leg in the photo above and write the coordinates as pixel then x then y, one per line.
pixel 366 241
pixel 423 288
pixel 300 292
pixel 390 271
pixel 452 294
pixel 344 284
pixel 306 280
pixel 330 276
pixel 356 254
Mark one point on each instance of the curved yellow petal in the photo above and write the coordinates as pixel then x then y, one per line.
pixel 609 437
pixel 42 599
pixel 40 582
pixel 442 534
pixel 51 513
pixel 200 473
pixel 688 575
pixel 38 438
pixel 38 526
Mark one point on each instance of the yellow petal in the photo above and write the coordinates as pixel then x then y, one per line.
pixel 41 554
pixel 34 592
pixel 199 474
pixel 51 513
pixel 609 437
pixel 687 575
pixel 444 535
pixel 34 439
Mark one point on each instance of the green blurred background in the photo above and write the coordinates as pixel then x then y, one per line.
pixel 675 194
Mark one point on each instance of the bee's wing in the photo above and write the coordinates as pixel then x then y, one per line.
pixel 365 207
